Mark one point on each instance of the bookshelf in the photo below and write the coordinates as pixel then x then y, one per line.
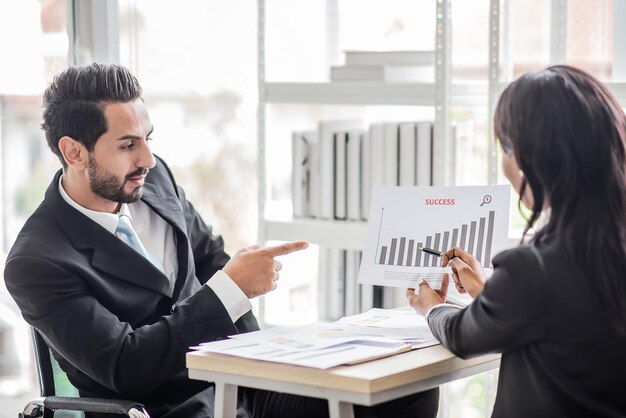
pixel 439 96
pixel 436 95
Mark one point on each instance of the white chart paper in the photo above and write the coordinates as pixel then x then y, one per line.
pixel 321 358
pixel 403 219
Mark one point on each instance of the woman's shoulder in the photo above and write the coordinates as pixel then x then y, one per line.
pixel 523 258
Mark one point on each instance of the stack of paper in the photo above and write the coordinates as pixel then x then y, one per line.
pixel 323 345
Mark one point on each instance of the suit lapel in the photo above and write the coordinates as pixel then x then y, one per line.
pixel 169 208
pixel 109 254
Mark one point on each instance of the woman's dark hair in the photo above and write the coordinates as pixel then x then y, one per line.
pixel 567 133
pixel 73 105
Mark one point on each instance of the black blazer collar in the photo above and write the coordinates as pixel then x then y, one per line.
pixel 109 254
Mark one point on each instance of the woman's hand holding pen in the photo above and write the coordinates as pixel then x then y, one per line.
pixel 467 272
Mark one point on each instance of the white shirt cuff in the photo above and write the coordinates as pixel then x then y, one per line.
pixel 438 306
pixel 231 296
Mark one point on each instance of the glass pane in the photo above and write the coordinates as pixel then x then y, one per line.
pixel 201 94
pixel 33 47
pixel 587 36
pixel 37 49
pixel 304 38
pixel 524 50
pixel 470 40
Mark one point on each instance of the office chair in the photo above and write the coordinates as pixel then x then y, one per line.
pixel 53 381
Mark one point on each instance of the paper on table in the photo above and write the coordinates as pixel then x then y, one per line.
pixel 324 358
pixel 314 336
pixel 393 323
pixel 374 334
pixel 386 318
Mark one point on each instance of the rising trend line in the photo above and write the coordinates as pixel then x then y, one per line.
pixel 382 213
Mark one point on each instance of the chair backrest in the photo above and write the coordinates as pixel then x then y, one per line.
pixel 52 379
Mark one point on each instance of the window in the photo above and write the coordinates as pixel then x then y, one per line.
pixel 33 47
pixel 200 91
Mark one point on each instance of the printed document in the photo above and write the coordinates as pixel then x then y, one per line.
pixel 404 221
pixel 323 345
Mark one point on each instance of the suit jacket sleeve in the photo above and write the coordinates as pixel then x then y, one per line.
pixel 505 315
pixel 126 359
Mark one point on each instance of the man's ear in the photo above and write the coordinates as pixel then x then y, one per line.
pixel 74 153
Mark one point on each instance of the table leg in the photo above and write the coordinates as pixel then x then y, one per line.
pixel 225 400
pixel 339 409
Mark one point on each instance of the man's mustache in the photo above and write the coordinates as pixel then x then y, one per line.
pixel 138 172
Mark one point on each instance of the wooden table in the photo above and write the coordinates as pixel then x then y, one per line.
pixel 367 384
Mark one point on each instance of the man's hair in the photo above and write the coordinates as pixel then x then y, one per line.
pixel 73 105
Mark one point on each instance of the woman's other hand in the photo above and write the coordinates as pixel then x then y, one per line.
pixel 426 297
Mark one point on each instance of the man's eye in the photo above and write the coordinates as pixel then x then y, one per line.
pixel 149 138
pixel 129 146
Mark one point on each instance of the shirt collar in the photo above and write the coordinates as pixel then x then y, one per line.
pixel 106 220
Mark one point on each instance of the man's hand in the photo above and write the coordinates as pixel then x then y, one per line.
pixel 467 272
pixel 254 269
pixel 426 297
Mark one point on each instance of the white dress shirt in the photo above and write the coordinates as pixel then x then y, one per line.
pixel 159 239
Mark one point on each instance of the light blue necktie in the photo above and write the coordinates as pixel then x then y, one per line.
pixel 128 235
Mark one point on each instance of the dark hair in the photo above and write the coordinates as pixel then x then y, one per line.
pixel 567 133
pixel 73 105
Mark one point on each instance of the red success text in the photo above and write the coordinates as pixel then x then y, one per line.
pixel 439 202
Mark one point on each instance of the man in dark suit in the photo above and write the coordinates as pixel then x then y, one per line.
pixel 119 273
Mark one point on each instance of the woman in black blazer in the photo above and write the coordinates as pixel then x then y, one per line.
pixel 555 308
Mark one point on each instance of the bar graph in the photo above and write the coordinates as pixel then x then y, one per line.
pixel 403 220
pixel 405 251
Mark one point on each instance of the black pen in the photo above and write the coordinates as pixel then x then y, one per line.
pixel 430 251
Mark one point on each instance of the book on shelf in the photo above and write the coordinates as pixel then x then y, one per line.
pixel 384 73
pixel 372 163
pixel 353 175
pixel 424 154
pixel 352 297
pixel 407 146
pixel 415 153
pixel 325 159
pixel 340 140
pixel 314 177
pixel 301 171
pixel 390 154
pixel 398 57
pixel 378 296
pixel 366 300
pixel 338 290
pixel 366 291
pixel 366 174
pixel 332 262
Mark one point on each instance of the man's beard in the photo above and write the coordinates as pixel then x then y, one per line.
pixel 107 186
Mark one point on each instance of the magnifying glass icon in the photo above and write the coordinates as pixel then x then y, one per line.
pixel 486 200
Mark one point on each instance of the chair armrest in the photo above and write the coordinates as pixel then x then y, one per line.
pixel 107 406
